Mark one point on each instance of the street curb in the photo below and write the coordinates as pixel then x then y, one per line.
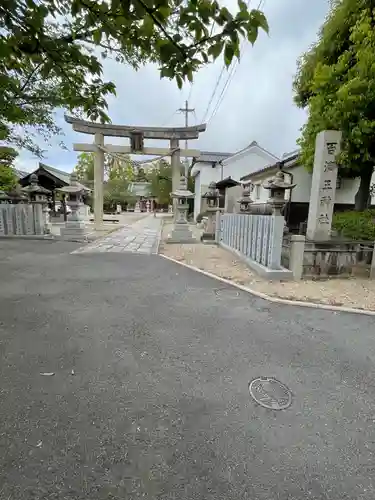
pixel 276 300
pixel 159 237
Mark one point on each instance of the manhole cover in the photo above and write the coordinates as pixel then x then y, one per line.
pixel 270 393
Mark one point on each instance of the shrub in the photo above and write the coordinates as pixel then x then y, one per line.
pixel 355 225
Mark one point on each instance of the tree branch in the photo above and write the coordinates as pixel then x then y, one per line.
pixel 160 25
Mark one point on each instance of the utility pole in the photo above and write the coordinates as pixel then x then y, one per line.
pixel 186 110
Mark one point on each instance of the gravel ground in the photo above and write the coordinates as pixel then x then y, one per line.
pixel 357 293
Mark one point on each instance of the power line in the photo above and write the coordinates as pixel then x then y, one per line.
pixel 228 80
pixel 186 110
pixel 213 94
pixel 169 118
pixel 192 83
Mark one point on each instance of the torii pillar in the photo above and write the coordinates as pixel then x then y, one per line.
pixel 98 180
pixel 176 170
pixel 136 135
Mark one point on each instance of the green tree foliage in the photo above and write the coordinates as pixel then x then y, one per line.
pixel 118 172
pixel 160 178
pixel 51 52
pixel 8 178
pixel 336 83
pixel 355 225
pixel 116 193
pixel 85 168
pixel 114 167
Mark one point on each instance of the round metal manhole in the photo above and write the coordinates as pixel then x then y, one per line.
pixel 270 393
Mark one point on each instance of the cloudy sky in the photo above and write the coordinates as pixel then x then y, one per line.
pixel 257 104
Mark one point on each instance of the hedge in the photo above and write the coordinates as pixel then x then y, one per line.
pixel 355 225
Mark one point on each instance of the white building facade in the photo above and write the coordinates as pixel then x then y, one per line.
pixel 215 167
pixel 299 197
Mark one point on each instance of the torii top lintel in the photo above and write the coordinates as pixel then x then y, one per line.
pixel 107 129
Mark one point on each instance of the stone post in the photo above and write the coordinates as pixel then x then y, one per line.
pixel 323 185
pixel 176 174
pixel 297 248
pixel 46 218
pixel 372 269
pixel 217 226
pixel 98 181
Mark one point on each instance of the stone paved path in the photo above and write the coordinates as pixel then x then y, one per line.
pixel 140 237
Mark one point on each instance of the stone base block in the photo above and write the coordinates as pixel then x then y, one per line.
pixel 208 237
pixel 74 233
pixel 280 274
pixel 181 234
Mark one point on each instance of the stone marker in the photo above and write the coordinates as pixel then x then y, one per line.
pixel 323 185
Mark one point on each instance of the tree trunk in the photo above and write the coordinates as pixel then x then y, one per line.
pixel 362 198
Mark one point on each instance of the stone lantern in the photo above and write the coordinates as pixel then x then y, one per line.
pixel 212 196
pixel 181 232
pixel 17 196
pixel 39 195
pixel 245 201
pixel 277 187
pixel 75 227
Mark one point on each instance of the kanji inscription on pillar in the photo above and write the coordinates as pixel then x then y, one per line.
pixel 323 185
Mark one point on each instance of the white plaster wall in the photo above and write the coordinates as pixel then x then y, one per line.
pixel 301 177
pixel 345 194
pixel 232 194
pixel 301 193
pixel 348 190
pixel 243 165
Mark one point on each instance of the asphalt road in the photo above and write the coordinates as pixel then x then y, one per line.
pixel 149 397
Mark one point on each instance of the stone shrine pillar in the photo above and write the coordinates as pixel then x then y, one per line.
pixel 98 181
pixel 323 185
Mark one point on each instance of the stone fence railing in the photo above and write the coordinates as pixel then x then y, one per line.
pixel 23 219
pixel 328 259
pixel 257 239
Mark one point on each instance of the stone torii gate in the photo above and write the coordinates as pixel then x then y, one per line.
pixel 136 135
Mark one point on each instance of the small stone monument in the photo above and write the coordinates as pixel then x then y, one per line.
pixel 323 185
pixel 75 228
pixel 181 232
pixel 137 208
pixel 245 201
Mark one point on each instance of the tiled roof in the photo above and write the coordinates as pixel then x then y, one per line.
pixel 60 174
pixel 63 176
pixel 20 173
pixel 209 157
pixel 288 160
